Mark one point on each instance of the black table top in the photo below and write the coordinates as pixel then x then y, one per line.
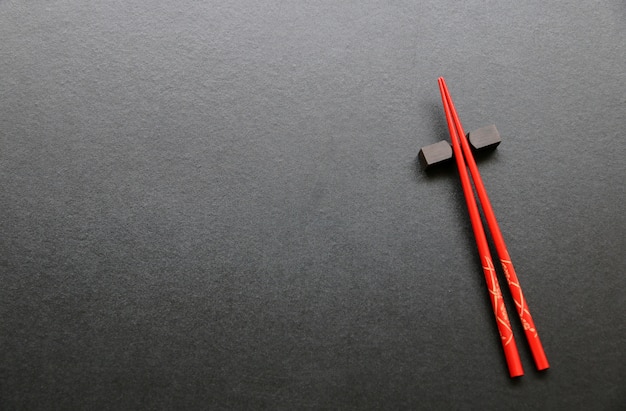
pixel 217 205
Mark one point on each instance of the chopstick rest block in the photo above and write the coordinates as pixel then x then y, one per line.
pixel 485 138
pixel 481 140
pixel 435 154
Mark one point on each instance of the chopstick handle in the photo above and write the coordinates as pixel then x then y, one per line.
pixel 536 348
pixel 502 319
pixel 495 295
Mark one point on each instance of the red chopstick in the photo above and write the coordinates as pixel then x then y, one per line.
pixel 541 361
pixel 497 303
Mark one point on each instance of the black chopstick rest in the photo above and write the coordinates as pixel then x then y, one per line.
pixel 481 140
pixel 485 138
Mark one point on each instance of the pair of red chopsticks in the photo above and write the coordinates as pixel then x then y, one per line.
pixel 464 158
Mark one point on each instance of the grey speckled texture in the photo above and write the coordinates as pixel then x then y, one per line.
pixel 217 205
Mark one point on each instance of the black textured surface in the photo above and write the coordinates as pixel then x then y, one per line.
pixel 217 205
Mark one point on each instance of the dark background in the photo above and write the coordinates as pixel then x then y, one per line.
pixel 216 205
